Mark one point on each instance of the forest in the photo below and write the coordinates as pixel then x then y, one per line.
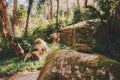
pixel 59 39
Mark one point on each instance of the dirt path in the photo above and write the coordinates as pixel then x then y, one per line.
pixel 23 76
pixel 26 76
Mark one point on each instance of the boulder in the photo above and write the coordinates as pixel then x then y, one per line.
pixel 38 50
pixel 73 65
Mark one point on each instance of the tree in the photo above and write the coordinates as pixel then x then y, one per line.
pixel 5 20
pixel 67 8
pixel 7 29
pixel 57 13
pixel 85 3
pixel 14 14
pixel 78 4
pixel 28 15
pixel 50 11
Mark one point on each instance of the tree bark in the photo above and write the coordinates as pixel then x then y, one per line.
pixel 14 15
pixel 6 24
pixel 5 19
pixel 85 3
pixel 67 8
pixel 78 4
pixel 57 13
pixel 28 15
pixel 50 11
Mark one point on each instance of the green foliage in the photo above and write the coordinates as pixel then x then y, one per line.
pixel 90 14
pixel 26 45
pixel 11 65
pixel 77 15
pixel 107 7
pixel 44 31
pixel 104 8
pixel 83 14
pixel 21 12
pixel 39 8
pixel 54 48
pixel 7 50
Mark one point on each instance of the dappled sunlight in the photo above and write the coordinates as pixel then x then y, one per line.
pixel 62 35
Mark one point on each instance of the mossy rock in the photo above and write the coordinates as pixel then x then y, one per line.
pixel 72 65
pixel 83 48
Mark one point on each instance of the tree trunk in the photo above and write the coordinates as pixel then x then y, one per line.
pixel 57 13
pixel 28 15
pixel 6 24
pixel 14 15
pixel 5 19
pixel 67 8
pixel 78 4
pixel 50 11
pixel 85 3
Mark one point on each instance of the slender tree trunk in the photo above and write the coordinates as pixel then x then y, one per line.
pixel 50 11
pixel 47 10
pixel 14 15
pixel 6 24
pixel 28 15
pixel 78 4
pixel 57 17
pixel 67 8
pixel 85 3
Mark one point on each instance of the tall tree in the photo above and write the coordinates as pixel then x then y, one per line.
pixel 5 19
pixel 50 11
pixel 85 3
pixel 57 17
pixel 14 14
pixel 6 25
pixel 28 15
pixel 78 4
pixel 67 1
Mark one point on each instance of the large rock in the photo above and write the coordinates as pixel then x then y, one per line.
pixel 38 50
pixel 72 65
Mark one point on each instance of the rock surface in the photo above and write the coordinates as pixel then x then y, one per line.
pixel 72 65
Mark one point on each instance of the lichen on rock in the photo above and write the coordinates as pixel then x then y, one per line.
pixel 72 65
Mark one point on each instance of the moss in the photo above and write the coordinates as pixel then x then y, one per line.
pixel 71 65
pixel 104 61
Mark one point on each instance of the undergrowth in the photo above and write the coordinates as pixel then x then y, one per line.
pixel 11 65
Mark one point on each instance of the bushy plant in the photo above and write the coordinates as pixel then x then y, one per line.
pixel 45 32
pixel 107 7
pixel 21 12
pixel 84 14
pixel 15 65
pixel 7 50
pixel 77 15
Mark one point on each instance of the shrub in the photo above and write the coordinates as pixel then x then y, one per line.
pixel 7 50
pixel 83 14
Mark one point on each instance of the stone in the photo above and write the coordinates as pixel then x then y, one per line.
pixel 73 65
